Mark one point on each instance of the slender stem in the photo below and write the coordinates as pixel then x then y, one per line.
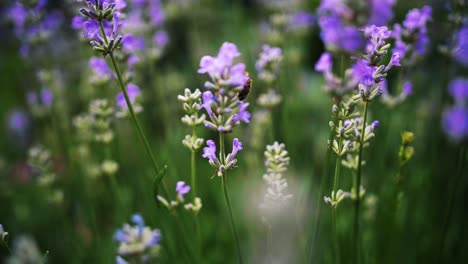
pixel 451 203
pixel 233 225
pixel 316 230
pixel 193 167
pixel 137 124
pixel 226 196
pixel 337 169
pixel 335 237
pixel 358 183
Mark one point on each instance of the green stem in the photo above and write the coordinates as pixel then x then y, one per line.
pixel 451 203
pixel 358 183
pixel 193 167
pixel 337 169
pixel 137 124
pixel 316 230
pixel 335 237
pixel 233 225
pixel 226 196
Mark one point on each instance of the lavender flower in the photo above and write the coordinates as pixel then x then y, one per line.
pixel 47 97
pixel 276 162
pixel 221 68
pixel 411 39
pixel 224 108
pixel 209 152
pixel 102 13
pixel 137 241
pixel 227 162
pixel 380 12
pixel 33 24
pixel 268 63
pixel 458 89
pixel 455 122
pixel 460 51
pixel 101 72
pixel 182 189
pixel 18 121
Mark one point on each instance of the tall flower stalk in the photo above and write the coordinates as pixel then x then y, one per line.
pixel 191 104
pixel 105 38
pixel 225 110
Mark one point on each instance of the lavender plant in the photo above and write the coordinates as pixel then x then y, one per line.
pixel 225 111
pixel 103 21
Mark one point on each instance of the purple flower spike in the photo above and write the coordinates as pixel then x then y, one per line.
pixel 182 189
pixel 324 64
pixel 209 152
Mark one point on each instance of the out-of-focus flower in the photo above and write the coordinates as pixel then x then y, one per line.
pixel 455 122
pixel 133 93
pixel 268 63
pixel 460 51
pixel 411 39
pixel 138 241
pixel 182 189
pixel 458 89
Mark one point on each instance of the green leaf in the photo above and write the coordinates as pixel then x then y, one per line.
pixel 157 182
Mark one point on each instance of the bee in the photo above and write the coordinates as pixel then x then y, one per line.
pixel 246 89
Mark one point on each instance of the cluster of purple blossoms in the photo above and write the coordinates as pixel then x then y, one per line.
pixel 33 24
pixel 101 24
pixel 221 101
pixel 340 20
pixel 268 63
pixel 137 242
pixel 230 84
pixel 455 119
pixel 460 51
pixel 366 71
pixel 220 163
pixel 369 70
pixel 145 36
pixel 411 38
pixel 181 189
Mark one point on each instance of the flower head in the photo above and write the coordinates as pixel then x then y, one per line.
pixel 138 241
pixel 182 189
pixel 209 152
pixel 221 68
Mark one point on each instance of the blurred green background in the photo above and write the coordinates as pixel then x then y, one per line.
pixel 80 227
